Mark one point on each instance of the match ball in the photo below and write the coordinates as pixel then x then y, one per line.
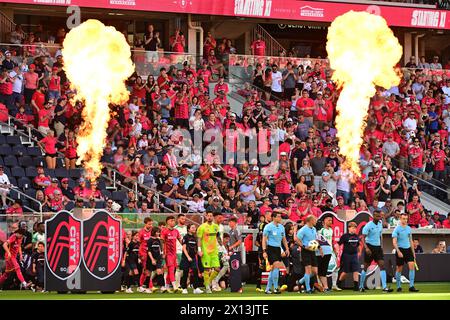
pixel 313 244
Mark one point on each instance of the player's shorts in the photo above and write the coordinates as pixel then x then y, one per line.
pixel 308 258
pixel 407 257
pixel 151 267
pixel 210 261
pixel 322 264
pixel 273 254
pixel 349 263
pixel 376 254
pixel 11 264
pixel 171 260
pixel 185 264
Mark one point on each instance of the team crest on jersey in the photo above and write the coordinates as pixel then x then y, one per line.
pixel 102 245
pixel 63 250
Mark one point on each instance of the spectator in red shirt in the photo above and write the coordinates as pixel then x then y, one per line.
pixel 48 144
pixel 50 190
pixel 258 46
pixel 414 209
pixel 305 106
pixel 435 221
pixel 15 208
pixel 369 189
pixel 41 181
pixel 438 159
pixel 446 222
pixel 341 204
pixel 282 180
pixel 80 190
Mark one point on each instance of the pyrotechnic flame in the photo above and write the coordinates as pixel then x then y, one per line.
pixel 363 52
pixel 97 62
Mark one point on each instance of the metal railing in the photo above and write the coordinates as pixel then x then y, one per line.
pixel 6 26
pixel 273 47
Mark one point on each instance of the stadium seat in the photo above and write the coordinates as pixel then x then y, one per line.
pixel 39 161
pixel 72 183
pixel 13 194
pixel 17 172
pixel 60 163
pixel 35 151
pixel 24 183
pixel 106 193
pixel 31 172
pixel 49 172
pixel 100 205
pixel 10 161
pixel 31 192
pixel 25 161
pixel 5 150
pixel 101 184
pixel 13 140
pixel 69 206
pixel 2 139
pixel 12 179
pixel 75 173
pixel 119 196
pixel 61 173
pixel 19 150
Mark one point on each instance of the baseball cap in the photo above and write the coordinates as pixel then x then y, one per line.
pixel 195 195
pixel 81 180
pixel 55 69
pixel 384 169
pixel 55 180
pixel 325 174
pixel 283 154
pixel 163 168
pixel 65 180
pixel 255 168
pixel 320 92
pixel 163 91
pixel 340 197
pixel 32 66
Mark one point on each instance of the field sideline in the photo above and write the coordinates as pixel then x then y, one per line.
pixel 428 291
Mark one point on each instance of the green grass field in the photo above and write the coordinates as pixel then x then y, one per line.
pixel 428 291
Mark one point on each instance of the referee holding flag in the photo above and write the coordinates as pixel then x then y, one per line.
pixel 273 235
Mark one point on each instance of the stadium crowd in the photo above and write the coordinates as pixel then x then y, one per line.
pixel 293 106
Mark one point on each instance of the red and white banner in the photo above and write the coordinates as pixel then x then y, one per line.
pixel 273 9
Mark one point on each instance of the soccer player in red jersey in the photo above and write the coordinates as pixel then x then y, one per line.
pixel 144 234
pixel 13 247
pixel 169 236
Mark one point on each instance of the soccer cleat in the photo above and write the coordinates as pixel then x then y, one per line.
pixel 327 290
pixel 336 288
pixel 148 290
pixel 141 289
pixel 412 289
pixel 129 290
pixel 283 288
pixel 184 291
pixel 208 290
pixel 163 289
pixel 178 290
pixel 198 291
pixel 123 288
pixel 259 290
pixel 216 289
pixel 276 291
pixel 399 289
pixel 171 291
pixel 268 292
pixel 309 292
pixel 387 290
pixel 362 290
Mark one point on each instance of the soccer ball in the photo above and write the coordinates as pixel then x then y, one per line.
pixel 313 244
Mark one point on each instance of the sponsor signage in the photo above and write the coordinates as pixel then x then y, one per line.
pixel 287 9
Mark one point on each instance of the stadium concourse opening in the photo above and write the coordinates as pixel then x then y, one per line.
pixel 224 167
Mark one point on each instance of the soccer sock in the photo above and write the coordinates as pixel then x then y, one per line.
pixel 171 274
pixel 206 278
pixel 362 279
pixel 160 280
pixel 307 278
pixel 383 278
pixel 334 278
pixel 178 275
pixel 275 277
pixel 142 278
pixel 398 277
pixel 20 276
pixel 127 280
pixel 412 275
pixel 269 282
pixel 355 284
pixel 302 280
pixel 136 279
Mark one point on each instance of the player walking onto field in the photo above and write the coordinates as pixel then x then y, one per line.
pixel 305 235
pixel 170 236
pixel 155 259
pixel 208 239
pixel 404 252
pixel 189 260
pixel 349 258
pixel 144 235
pixel 326 235
pixel 182 229
pixel 13 248
pixel 273 235
pixel 373 251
